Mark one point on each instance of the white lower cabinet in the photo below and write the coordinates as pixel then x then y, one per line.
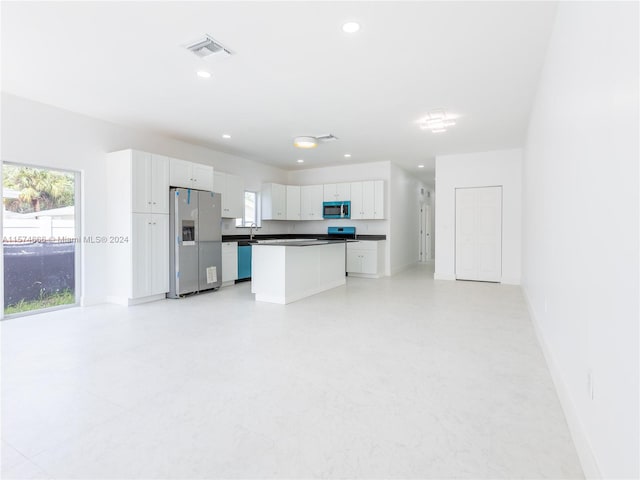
pixel 149 245
pixel 365 258
pixel 229 263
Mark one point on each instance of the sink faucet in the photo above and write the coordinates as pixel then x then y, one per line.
pixel 251 227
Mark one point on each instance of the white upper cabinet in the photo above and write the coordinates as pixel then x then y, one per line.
pixel 159 184
pixel 378 200
pixel 337 192
pixel 220 185
pixel 149 182
pixel 180 173
pixel 357 204
pixel 293 202
pixel 367 200
pixel 274 201
pixel 234 204
pixel 202 176
pixel 190 175
pixel 311 202
pixel 231 188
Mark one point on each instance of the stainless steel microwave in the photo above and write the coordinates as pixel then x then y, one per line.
pixel 336 210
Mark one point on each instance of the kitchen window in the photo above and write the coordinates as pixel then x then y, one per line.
pixel 250 215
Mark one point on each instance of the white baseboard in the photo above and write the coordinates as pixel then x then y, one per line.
pixel 135 301
pixel 510 280
pixel 86 301
pixel 443 276
pixel 285 299
pixel 366 275
pixel 395 271
pixel 576 429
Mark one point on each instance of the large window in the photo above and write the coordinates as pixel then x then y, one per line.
pixel 40 237
pixel 250 216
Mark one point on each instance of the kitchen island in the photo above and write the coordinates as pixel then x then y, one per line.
pixel 286 271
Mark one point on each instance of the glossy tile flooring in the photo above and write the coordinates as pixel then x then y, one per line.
pixel 401 377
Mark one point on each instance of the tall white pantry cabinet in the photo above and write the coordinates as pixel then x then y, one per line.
pixel 138 226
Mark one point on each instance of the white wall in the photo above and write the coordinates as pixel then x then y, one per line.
pixel 500 167
pixel 580 249
pixel 38 134
pixel 404 209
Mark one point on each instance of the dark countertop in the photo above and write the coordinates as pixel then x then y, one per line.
pixel 243 240
pixel 300 243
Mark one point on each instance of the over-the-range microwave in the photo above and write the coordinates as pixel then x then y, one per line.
pixel 336 210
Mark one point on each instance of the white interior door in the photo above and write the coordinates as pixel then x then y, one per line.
pixel 479 234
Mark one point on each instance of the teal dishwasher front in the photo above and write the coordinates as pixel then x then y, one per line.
pixel 244 262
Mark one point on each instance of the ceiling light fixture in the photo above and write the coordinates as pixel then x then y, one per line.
pixel 305 142
pixel 312 142
pixel 204 74
pixel 300 161
pixel 347 155
pixel 226 135
pixel 420 166
pixel 351 27
pixel 437 121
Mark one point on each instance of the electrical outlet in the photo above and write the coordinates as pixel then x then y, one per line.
pixel 590 384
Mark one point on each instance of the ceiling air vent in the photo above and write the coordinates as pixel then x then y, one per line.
pixel 327 138
pixel 207 46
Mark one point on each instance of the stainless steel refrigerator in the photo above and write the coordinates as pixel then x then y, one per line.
pixel 196 241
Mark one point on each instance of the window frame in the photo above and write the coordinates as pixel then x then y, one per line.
pixel 79 251
pixel 243 222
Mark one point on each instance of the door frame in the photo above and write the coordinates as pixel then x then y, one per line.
pixel 455 233
pixel 424 233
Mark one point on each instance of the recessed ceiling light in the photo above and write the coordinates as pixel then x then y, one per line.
pixel 226 135
pixel 420 166
pixel 351 27
pixel 204 74
pixel 347 155
pixel 300 161
pixel 439 130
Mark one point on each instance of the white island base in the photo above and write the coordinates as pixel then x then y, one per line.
pixel 286 273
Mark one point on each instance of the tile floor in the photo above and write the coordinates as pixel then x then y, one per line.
pixel 401 377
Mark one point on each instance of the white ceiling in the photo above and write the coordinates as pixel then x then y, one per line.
pixel 294 72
